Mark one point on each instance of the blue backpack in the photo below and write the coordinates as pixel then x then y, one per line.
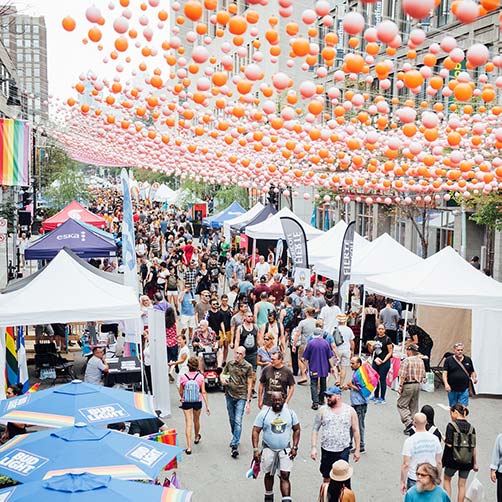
pixel 191 391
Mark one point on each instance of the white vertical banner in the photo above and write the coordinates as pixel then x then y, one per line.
pixel 128 242
pixel 158 356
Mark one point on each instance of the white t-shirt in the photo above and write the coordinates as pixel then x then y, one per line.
pixel 328 315
pixel 348 336
pixel 261 269
pixel 184 365
pixel 421 447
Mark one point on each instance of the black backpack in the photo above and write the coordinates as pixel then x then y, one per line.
pixel 463 445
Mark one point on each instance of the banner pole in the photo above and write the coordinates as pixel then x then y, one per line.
pixel 363 318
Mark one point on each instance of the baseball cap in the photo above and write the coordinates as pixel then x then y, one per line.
pixel 332 391
pixel 263 278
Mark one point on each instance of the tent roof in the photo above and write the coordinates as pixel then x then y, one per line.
pixel 329 245
pixel 272 227
pixel 444 279
pixel 267 212
pixel 165 194
pixel 77 212
pixel 82 240
pixel 247 216
pixel 382 255
pixel 217 220
pixel 67 290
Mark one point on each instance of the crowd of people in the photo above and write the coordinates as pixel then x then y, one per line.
pixel 242 315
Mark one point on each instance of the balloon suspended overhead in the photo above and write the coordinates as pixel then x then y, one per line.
pixel 277 96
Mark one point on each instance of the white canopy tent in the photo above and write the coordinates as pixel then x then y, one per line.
pixel 67 290
pixel 271 229
pixel 165 194
pixel 382 255
pixel 447 280
pixel 242 219
pixel 329 245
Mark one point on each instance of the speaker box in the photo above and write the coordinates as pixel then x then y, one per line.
pixel 24 218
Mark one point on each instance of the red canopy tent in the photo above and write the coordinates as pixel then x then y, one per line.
pixel 77 212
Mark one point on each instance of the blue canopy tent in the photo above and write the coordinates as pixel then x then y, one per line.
pixel 83 241
pixel 98 231
pixel 217 220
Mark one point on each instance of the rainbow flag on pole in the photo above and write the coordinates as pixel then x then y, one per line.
pixel 365 378
pixel 14 152
pixel 11 373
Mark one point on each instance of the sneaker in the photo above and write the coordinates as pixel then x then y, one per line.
pixel 315 406
pixel 254 395
pixel 362 450
pixel 372 398
pixel 235 452
pixel 383 401
pixel 378 400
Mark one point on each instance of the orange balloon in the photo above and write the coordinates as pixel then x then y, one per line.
pixel 354 62
pixel 331 39
pixel 300 46
pixel 237 25
pixel 68 23
pixel 121 44
pixel 94 34
pixel 222 17
pixel 252 17
pixel 193 10
pixel 162 15
pixel 292 29
pixel 462 92
pixel 210 4
pixel 413 79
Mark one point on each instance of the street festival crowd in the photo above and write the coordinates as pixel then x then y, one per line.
pixel 241 315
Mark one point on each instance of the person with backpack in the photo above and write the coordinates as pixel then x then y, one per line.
pixel 192 392
pixel 276 329
pixel 459 450
pixel 281 436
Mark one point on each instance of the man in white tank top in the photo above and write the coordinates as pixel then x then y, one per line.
pixel 335 420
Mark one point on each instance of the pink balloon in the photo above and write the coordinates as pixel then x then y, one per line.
pixel 448 44
pixel 309 16
pixel 280 81
pixel 370 35
pixel 417 36
pixel 457 55
pixel 477 55
pixel 387 31
pixel 418 9
pixel 93 14
pixel 353 23
pixel 121 25
pixel 322 8
pixel 467 11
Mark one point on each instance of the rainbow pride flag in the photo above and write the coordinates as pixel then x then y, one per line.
pixel 14 152
pixel 365 378
pixel 11 373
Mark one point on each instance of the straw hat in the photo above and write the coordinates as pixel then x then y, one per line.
pixel 341 471
pixel 341 318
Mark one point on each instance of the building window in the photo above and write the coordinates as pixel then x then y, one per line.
pixel 443 13
pixel 364 219
pixel 400 232
pixel 36 29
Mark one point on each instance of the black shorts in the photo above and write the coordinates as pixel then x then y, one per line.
pixel 252 359
pixel 328 458
pixel 172 353
pixel 192 406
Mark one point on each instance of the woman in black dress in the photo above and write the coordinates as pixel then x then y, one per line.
pixel 370 320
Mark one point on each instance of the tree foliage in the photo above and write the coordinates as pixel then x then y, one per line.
pixel 154 177
pixel 68 186
pixel 487 209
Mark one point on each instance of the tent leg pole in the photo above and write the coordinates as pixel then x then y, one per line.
pixel 404 330
pixel 363 316
pixel 142 367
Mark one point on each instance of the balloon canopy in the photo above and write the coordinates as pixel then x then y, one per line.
pixel 262 98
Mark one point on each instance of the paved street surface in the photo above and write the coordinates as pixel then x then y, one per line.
pixel 214 476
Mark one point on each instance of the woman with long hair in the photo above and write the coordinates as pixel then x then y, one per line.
pixel 192 392
pixel 381 349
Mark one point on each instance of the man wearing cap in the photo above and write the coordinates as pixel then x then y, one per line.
pixel 411 375
pixel 261 287
pixel 278 452
pixel 335 420
pixel 346 349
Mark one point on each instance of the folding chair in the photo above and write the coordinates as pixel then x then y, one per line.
pixel 50 365
pixel 438 370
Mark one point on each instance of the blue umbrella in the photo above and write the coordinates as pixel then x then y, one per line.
pixel 76 402
pixel 86 487
pixel 83 448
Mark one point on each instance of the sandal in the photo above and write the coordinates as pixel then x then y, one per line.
pixel 301 382
pixel 197 439
pixel 188 452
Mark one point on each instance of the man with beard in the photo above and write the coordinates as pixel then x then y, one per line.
pixel 427 488
pixel 279 451
pixel 335 420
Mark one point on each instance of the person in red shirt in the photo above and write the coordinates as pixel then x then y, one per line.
pixel 188 250
pixel 278 290
pixel 171 339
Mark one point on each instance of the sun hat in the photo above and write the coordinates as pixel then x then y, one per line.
pixel 341 471
pixel 341 318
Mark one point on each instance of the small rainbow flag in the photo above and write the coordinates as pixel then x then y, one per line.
pixel 14 152
pixel 33 388
pixel 11 373
pixel 175 495
pixel 365 378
